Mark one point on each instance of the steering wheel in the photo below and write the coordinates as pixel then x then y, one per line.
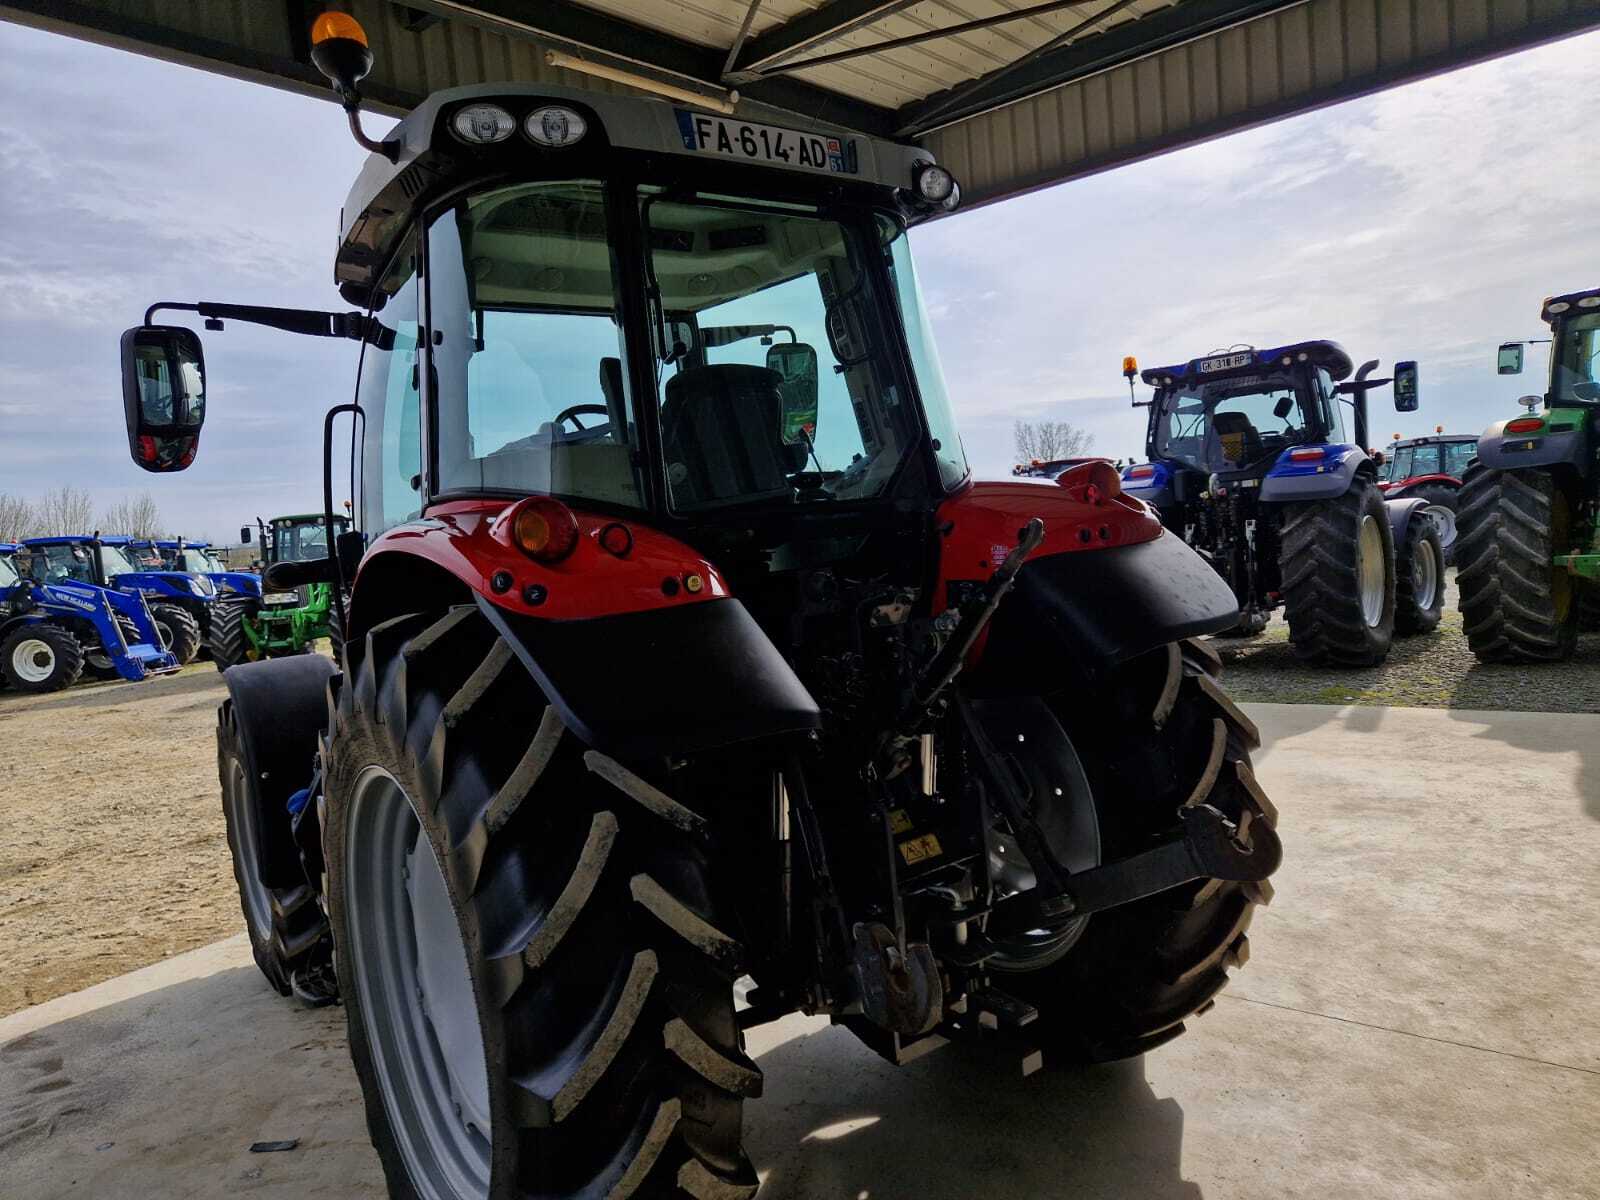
pixel 571 414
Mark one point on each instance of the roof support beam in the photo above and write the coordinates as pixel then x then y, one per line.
pixel 1087 56
pixel 808 31
pixel 572 27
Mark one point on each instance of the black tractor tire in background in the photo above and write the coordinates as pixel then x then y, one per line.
pixel 1155 735
pixel 1323 565
pixel 177 630
pixel 1444 496
pixel 575 965
pixel 59 658
pixel 288 932
pixel 1418 577
pixel 1515 605
pixel 229 645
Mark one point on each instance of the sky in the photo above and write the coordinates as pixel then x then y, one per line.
pixel 1425 222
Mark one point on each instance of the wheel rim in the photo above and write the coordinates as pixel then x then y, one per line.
pixel 33 660
pixel 242 814
pixel 164 633
pixel 1445 518
pixel 1425 575
pixel 417 1001
pixel 1370 570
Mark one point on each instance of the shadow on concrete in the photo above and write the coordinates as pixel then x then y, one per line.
pixel 839 1122
pixel 1549 733
pixel 162 1093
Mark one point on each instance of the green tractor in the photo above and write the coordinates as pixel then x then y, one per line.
pixel 250 628
pixel 1529 521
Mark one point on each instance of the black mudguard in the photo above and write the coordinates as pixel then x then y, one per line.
pixel 1077 614
pixel 1400 513
pixel 673 680
pixel 1509 452
pixel 280 707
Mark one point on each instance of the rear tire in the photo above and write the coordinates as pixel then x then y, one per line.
pixel 229 645
pixel 178 631
pixel 1418 577
pixel 1516 606
pixel 575 974
pixel 1337 564
pixel 287 929
pixel 41 658
pixel 1139 971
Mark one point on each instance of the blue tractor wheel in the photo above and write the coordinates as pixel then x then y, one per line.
pixel 40 657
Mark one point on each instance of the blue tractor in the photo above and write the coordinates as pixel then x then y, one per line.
pixel 180 604
pixel 195 558
pixel 1251 464
pixel 49 631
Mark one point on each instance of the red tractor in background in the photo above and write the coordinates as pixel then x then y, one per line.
pixel 1429 468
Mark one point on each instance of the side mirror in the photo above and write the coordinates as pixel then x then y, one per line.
pixel 163 395
pixel 245 535
pixel 1283 407
pixel 796 364
pixel 1509 361
pixel 1406 398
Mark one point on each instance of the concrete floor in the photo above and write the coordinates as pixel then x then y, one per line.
pixel 1418 1019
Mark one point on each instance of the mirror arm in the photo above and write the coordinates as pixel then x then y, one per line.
pixel 305 321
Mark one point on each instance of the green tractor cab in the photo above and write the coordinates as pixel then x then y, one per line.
pixel 278 622
pixel 1530 503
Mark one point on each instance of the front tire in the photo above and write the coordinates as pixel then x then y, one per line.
pixel 1158 734
pixel 570 1030
pixel 177 630
pixel 1419 577
pixel 229 644
pixel 41 658
pixel 1336 561
pixel 1516 605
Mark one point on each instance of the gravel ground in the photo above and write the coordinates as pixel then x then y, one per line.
pixel 1433 671
pixel 113 853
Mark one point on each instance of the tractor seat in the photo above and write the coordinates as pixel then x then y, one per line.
pixel 721 433
pixel 1241 441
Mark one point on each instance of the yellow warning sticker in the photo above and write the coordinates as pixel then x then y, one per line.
pixel 920 849
pixel 899 822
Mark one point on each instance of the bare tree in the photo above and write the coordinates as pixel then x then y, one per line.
pixel 1047 441
pixel 65 510
pixel 138 517
pixel 18 519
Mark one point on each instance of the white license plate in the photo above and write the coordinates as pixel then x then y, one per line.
pixel 750 142
pixel 1225 362
pixel 280 598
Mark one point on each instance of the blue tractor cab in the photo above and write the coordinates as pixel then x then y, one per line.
pixel 1256 459
pixel 52 626
pixel 179 603
pixel 197 558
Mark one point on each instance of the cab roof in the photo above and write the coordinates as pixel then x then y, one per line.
pixel 1589 299
pixel 9 547
pixel 79 539
pixel 431 161
pixel 1329 355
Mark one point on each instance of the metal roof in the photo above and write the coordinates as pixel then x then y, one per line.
pixel 1010 94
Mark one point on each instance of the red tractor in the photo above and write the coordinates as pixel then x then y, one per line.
pixel 1429 468
pixel 681 647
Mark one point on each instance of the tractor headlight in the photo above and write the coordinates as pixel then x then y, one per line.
pixel 482 124
pixel 555 125
pixel 935 185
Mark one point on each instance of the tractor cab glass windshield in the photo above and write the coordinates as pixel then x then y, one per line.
pixel 197 562
pixel 114 562
pixel 60 561
pixel 8 573
pixel 1575 366
pixel 300 542
pixel 1228 424
pixel 776 374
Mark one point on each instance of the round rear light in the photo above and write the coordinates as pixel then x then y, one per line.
pixel 544 529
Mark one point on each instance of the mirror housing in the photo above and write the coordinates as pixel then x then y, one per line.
pixel 245 535
pixel 163 395
pixel 1406 397
pixel 796 364
pixel 1509 360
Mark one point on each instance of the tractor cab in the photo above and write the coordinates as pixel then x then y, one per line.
pixel 9 578
pixel 107 561
pixel 196 559
pixel 300 538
